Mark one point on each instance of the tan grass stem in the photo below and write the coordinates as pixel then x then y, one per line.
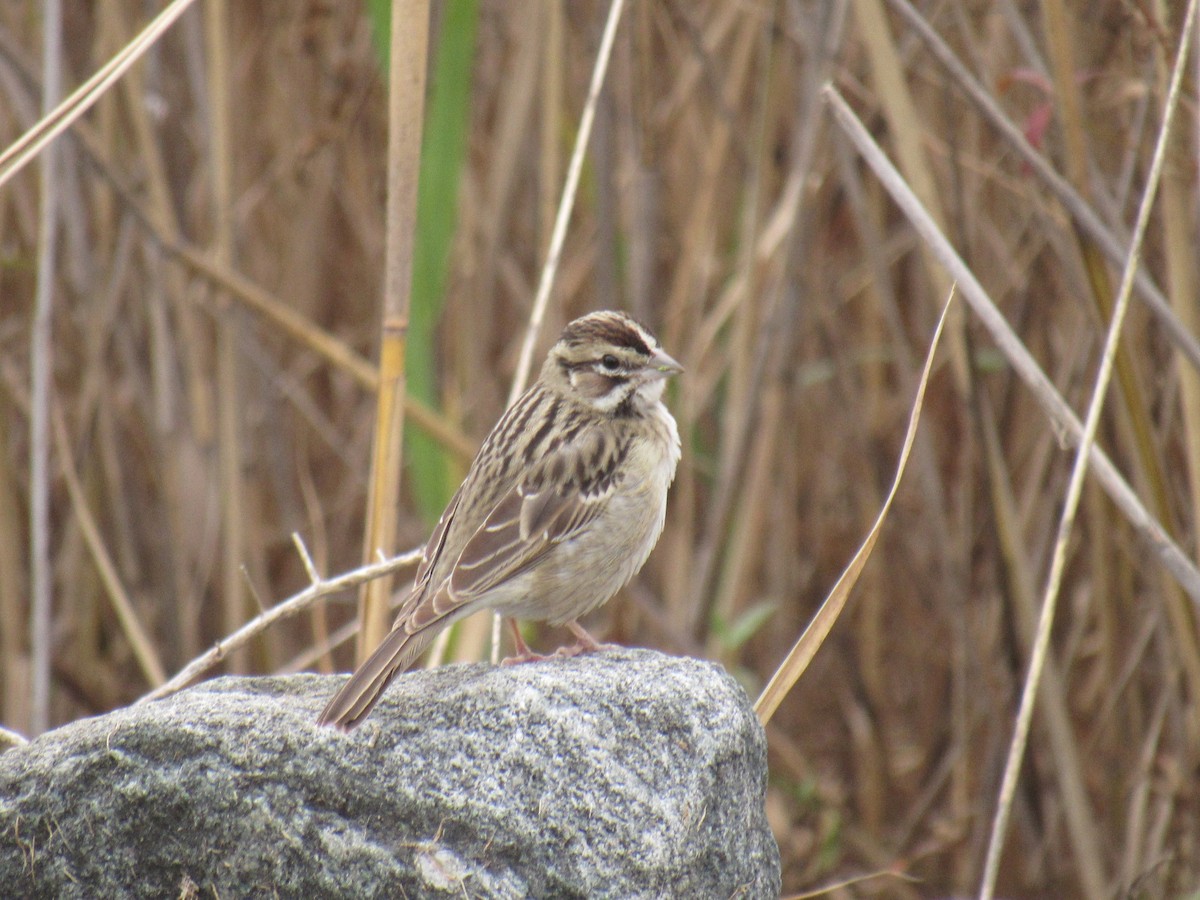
pixel 1079 470
pixel 1011 346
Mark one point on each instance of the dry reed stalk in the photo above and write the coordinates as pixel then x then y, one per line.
pixel 1108 237
pixel 1149 529
pixel 229 383
pixel 566 204
pixel 691 280
pixel 406 105
pixel 1040 649
pixel 907 127
pixel 752 344
pixel 1137 419
pixel 41 587
pixel 1126 505
pixel 322 342
pixel 183 426
pixel 1068 767
pixel 515 94
pixel 553 69
pixel 1181 275
pixel 59 118
pixel 868 216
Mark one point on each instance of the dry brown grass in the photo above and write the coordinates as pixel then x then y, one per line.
pixel 208 362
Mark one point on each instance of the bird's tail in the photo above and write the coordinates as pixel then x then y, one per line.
pixel 358 696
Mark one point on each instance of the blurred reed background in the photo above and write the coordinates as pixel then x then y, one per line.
pixel 215 314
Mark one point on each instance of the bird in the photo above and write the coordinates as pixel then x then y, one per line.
pixel 559 510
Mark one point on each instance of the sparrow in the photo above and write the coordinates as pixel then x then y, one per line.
pixel 559 510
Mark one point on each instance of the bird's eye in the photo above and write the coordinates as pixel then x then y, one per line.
pixel 610 362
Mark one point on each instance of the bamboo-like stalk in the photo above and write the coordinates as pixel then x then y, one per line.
pixel 406 105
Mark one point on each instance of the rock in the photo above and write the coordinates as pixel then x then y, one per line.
pixel 621 774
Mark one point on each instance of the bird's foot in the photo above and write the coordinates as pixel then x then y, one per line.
pixel 526 657
pixel 579 648
pixel 584 643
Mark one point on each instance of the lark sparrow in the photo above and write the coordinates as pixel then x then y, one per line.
pixel 559 510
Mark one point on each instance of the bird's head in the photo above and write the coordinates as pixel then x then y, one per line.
pixel 611 362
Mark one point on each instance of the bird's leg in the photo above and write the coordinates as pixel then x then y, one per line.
pixel 518 641
pixel 523 654
pixel 584 642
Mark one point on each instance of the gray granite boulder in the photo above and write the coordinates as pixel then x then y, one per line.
pixel 623 774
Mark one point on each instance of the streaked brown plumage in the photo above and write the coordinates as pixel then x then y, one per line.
pixel 560 508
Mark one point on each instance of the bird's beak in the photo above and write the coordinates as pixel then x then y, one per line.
pixel 662 363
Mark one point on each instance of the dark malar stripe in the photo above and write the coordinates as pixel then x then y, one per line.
pixel 626 408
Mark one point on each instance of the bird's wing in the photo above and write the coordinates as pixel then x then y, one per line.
pixel 433 547
pixel 554 501
pixel 429 558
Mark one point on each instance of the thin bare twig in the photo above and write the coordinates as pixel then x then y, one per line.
pixel 292 606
